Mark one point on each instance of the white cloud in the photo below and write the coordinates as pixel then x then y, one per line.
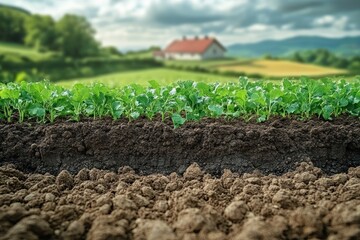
pixel 141 23
pixel 324 20
pixel 259 27
pixel 341 22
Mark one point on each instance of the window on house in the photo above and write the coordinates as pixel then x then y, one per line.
pixel 214 51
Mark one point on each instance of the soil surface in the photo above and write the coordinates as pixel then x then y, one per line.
pixel 275 146
pixel 101 204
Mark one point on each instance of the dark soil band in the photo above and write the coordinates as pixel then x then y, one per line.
pixel 156 147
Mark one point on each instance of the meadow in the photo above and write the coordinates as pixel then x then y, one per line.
pixel 163 76
pixel 116 70
pixel 280 68
pixel 18 52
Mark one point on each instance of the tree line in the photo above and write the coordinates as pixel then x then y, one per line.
pixel 71 35
pixel 324 57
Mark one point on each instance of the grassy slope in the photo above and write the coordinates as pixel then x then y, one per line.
pixel 162 75
pixel 205 63
pixel 272 68
pixel 281 68
pixel 18 51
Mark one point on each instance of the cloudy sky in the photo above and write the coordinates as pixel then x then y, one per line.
pixel 135 24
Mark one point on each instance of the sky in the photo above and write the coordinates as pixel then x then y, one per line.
pixel 138 24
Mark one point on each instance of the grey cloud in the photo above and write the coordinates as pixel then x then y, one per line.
pixel 300 15
pixel 180 13
pixel 186 18
pixel 89 12
pixel 295 6
pixel 297 14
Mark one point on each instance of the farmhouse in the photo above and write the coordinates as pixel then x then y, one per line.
pixel 192 49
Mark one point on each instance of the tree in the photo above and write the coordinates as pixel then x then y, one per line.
pixel 40 32
pixel 12 25
pixel 297 57
pixel 354 66
pixel 76 37
pixel 268 56
pixel 111 50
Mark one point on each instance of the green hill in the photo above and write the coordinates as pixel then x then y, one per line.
pixel 13 52
pixel 12 21
pixel 348 46
pixel 14 9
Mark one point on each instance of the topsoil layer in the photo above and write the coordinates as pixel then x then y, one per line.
pixel 156 147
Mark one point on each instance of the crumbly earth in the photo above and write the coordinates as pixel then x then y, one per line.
pixel 100 204
pixel 274 146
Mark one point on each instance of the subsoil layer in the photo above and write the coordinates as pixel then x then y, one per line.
pixel 275 146
pixel 100 204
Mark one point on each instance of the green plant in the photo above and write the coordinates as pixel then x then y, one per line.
pixel 182 101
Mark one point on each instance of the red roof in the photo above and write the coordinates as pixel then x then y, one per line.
pixel 192 45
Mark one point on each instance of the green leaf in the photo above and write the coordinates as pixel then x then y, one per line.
pixel 262 118
pixel 90 109
pixel 143 100
pixel 37 111
pixel 275 93
pixel 343 102
pixel 292 108
pixel 203 87
pixel 60 108
pixel 241 96
pixel 135 115
pixel 177 120
pixel 154 84
pixel 327 111
pixel 10 93
pixel 188 109
pixel 217 110
pixel 116 110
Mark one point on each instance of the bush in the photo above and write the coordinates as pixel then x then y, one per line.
pixel 255 75
pixel 86 71
pixel 354 66
pixel 6 77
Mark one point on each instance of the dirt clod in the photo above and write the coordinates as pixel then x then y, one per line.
pixel 303 204
pixel 64 180
pixel 236 211
pixel 193 172
pixel 153 230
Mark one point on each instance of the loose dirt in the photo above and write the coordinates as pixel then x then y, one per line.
pixel 275 146
pixel 101 204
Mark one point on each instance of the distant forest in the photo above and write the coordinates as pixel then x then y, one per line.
pixel 71 35
pixel 324 57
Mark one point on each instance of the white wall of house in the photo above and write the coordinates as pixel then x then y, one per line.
pixel 214 51
pixel 183 56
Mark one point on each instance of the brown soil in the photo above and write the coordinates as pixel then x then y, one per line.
pixel 100 204
pixel 156 147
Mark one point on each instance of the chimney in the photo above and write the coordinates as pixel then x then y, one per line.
pixel 196 37
pixel 206 36
pixel 184 38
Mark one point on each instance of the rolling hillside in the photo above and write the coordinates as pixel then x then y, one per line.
pixel 281 68
pixel 14 9
pixel 12 52
pixel 349 46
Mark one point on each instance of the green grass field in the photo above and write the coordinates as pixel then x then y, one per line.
pixel 211 64
pixel 165 76
pixel 162 75
pixel 17 52
pixel 272 69
pixel 281 68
